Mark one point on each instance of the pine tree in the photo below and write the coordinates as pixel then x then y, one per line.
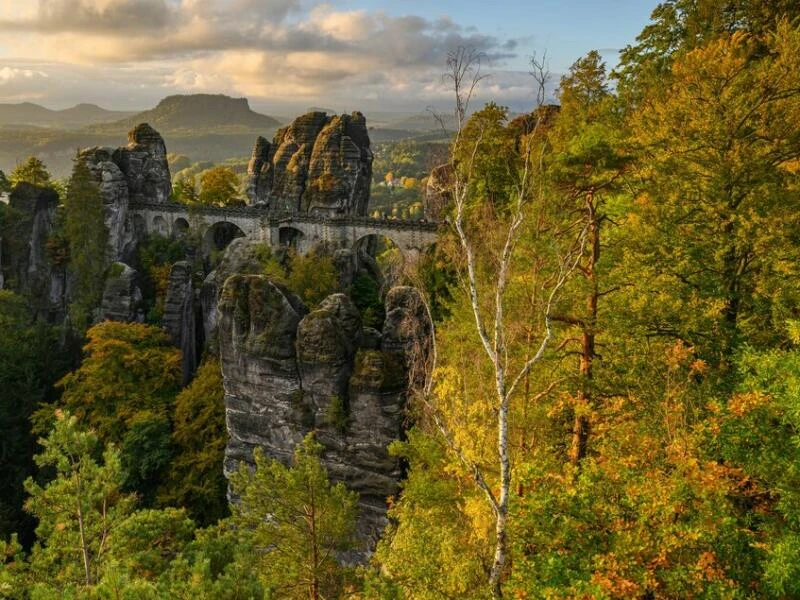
pixel 298 521
pixel 78 510
pixel 32 171
pixel 87 235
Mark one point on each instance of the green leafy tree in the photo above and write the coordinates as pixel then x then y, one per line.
pixel 148 540
pixel 87 235
pixel 146 455
pixel 125 390
pixel 5 184
pixel 32 171
pixel 680 26
pixel 366 296
pixel 298 522
pixel 711 231
pixel 313 277
pixel 195 479
pixel 28 366
pixel 585 165
pixel 513 263
pixel 219 186
pixel 78 510
pixel 435 545
pixel 486 148
pixel 13 570
pixel 758 431
pixel 184 191
pixel 216 565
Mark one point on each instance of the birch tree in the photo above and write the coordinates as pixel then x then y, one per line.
pixel 524 210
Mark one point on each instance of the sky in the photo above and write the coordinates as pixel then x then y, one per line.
pixel 286 55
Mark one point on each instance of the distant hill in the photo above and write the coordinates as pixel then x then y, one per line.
pixel 423 122
pixel 199 113
pixel 80 115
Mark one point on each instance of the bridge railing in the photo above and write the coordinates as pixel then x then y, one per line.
pixel 277 217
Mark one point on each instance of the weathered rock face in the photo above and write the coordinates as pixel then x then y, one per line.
pixel 263 398
pixel 121 295
pixel 144 163
pixel 181 316
pixel 240 257
pixel 437 192
pixel 137 172
pixel 340 168
pixel 288 371
pixel 260 172
pixel 27 268
pixel 318 164
pixel 116 196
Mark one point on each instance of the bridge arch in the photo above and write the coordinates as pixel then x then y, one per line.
pixel 219 235
pixel 180 227
pixel 160 226
pixel 390 259
pixel 291 237
pixel 376 242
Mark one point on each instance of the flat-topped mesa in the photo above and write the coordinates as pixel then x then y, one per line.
pixel 319 164
pixel 136 172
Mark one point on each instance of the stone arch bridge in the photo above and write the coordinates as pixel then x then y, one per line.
pixel 279 228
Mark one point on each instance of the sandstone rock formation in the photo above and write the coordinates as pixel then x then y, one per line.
pixel 136 172
pixel 181 317
pixel 319 165
pixel 144 163
pixel 27 266
pixel 437 192
pixel 121 295
pixel 241 257
pixel 288 371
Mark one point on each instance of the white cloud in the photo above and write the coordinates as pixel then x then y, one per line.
pixel 10 74
pixel 259 48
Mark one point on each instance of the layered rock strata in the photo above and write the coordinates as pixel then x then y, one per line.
pixel 319 164
pixel 27 260
pixel 288 371
pixel 181 317
pixel 121 295
pixel 136 172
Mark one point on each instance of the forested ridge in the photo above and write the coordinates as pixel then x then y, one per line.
pixel 611 405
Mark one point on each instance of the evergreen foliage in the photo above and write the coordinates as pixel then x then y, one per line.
pixel 28 367
pixel 31 171
pixel 195 479
pixel 125 390
pixel 631 254
pixel 309 522
pixel 87 235
pixel 78 510
pixel 313 277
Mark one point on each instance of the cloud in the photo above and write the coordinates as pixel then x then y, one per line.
pixel 286 49
pixel 9 74
pixel 92 16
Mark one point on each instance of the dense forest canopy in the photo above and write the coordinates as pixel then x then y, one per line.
pixel 611 408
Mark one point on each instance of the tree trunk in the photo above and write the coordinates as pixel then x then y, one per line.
pixel 81 530
pixel 501 511
pixel 580 425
